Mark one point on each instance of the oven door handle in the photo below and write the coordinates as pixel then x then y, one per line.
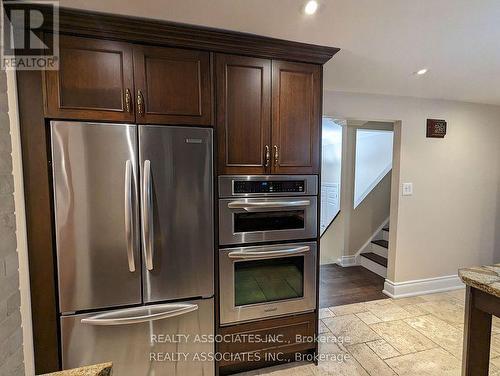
pixel 253 206
pixel 267 254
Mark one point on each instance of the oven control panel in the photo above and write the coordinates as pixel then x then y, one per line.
pixel 269 186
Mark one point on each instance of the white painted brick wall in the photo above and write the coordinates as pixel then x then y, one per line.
pixel 11 336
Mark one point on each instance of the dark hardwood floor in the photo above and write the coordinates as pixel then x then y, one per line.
pixel 355 284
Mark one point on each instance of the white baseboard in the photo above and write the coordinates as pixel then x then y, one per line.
pixel 422 286
pixel 346 261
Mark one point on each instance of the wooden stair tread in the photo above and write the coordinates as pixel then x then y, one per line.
pixel 375 258
pixel 382 243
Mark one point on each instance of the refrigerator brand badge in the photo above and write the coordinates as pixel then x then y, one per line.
pixel 194 141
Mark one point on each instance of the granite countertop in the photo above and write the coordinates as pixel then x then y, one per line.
pixel 485 278
pixel 104 369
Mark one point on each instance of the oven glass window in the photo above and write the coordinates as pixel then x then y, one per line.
pixel 268 221
pixel 269 280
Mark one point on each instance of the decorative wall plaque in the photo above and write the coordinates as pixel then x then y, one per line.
pixel 436 128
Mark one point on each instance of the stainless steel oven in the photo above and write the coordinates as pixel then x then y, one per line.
pixel 256 209
pixel 266 280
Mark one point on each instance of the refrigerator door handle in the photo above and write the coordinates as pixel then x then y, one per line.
pixel 147 215
pixel 129 217
pixel 140 314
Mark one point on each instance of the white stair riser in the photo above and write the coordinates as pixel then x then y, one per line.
pixel 384 235
pixel 379 250
pixel 373 266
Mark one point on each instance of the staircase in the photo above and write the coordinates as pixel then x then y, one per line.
pixel 374 256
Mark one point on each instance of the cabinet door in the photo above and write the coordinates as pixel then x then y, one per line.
pixel 243 114
pixel 94 81
pixel 289 330
pixel 296 118
pixel 173 86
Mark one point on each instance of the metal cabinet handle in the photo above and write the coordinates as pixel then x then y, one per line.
pixel 142 314
pixel 268 156
pixel 129 217
pixel 249 254
pixel 276 155
pixel 128 101
pixel 147 215
pixel 140 103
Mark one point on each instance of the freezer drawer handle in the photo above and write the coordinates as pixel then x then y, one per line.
pixel 248 254
pixel 253 206
pixel 112 319
pixel 129 217
pixel 147 215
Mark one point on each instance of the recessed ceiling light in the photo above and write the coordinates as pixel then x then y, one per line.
pixel 421 71
pixel 311 7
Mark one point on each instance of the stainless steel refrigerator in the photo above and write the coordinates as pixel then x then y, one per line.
pixel 134 235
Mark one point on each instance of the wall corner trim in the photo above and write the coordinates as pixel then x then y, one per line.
pixel 422 286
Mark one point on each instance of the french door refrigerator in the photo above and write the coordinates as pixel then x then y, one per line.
pixel 134 233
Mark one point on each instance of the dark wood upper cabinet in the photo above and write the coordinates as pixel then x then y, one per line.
pixel 173 86
pixel 94 82
pixel 243 87
pixel 296 117
pixel 251 140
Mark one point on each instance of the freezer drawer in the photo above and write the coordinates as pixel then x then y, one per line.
pixel 143 341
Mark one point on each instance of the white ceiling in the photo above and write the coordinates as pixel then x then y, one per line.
pixel 382 41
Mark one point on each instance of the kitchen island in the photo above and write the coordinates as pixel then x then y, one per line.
pixel 103 369
pixel 481 302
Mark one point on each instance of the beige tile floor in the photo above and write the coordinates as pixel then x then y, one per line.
pixel 417 336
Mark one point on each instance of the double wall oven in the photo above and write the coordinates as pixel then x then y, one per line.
pixel 267 234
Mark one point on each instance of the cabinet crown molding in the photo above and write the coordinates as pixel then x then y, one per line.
pixel 165 33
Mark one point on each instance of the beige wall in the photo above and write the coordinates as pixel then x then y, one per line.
pixel 332 241
pixel 453 218
pixel 369 215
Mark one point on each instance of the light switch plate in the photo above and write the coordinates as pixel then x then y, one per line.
pixel 407 189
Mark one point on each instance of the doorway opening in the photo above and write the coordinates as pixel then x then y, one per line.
pixel 357 168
